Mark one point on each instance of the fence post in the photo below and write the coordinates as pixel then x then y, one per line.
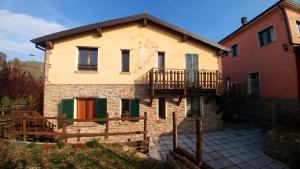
pixel 185 82
pixel 24 128
pixel 107 126
pixel 175 136
pixel 199 136
pixel 201 106
pixel 145 125
pixel 64 130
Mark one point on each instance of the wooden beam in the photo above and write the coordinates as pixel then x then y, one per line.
pixel 99 32
pixel 145 22
pixel 179 100
pixel 199 144
pixel 151 101
pixel 145 125
pixel 184 38
pixel 49 44
pixel 175 134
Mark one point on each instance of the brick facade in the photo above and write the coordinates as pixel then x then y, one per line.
pixel 56 92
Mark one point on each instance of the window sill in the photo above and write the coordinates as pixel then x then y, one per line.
pixel 267 44
pixel 87 71
pixel 125 73
pixel 160 120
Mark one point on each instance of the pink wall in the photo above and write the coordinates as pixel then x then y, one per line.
pixel 277 68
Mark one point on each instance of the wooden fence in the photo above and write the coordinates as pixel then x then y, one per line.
pixel 191 159
pixel 7 127
pixel 31 127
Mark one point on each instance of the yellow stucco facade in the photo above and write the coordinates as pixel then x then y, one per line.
pixel 293 16
pixel 144 43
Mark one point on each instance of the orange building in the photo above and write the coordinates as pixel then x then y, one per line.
pixel 265 52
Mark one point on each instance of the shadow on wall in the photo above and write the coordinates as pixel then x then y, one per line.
pixel 212 117
pixel 259 109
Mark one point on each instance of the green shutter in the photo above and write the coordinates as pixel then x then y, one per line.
pixel 101 109
pixel 134 105
pixel 67 109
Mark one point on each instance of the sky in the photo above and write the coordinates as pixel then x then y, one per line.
pixel 23 20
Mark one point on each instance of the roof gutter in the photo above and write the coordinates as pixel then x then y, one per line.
pixel 39 47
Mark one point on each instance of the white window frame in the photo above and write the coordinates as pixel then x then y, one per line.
pixel 298 27
pixel 260 30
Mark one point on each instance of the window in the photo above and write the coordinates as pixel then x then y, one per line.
pixel 130 108
pixel 298 27
pixel 161 61
pixel 162 108
pixel 85 108
pixel 88 59
pixel 125 60
pixel 235 50
pixel 266 36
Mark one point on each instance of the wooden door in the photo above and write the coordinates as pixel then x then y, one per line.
pixel 86 108
pixel 191 61
pixel 254 84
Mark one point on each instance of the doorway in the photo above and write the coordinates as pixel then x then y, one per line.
pixel 193 107
pixel 191 61
pixel 86 108
pixel 254 84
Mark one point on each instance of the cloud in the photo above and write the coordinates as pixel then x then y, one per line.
pixel 17 29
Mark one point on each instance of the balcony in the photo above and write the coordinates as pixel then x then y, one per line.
pixel 184 82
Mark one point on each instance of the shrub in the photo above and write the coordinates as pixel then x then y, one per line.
pixel 93 143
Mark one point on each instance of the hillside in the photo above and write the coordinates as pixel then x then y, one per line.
pixel 34 67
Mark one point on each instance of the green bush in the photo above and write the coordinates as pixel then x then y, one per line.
pixel 93 143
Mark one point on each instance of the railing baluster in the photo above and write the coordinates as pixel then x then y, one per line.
pixel 156 80
pixel 171 79
pixel 178 79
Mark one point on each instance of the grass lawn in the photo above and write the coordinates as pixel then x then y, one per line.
pixel 65 156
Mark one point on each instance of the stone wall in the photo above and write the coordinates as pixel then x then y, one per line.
pixel 284 145
pixel 261 110
pixel 56 92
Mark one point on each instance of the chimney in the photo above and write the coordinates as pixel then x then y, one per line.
pixel 244 20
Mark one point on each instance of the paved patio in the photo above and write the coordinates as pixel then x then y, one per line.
pixel 238 146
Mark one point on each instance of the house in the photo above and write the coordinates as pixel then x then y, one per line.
pixel 128 66
pixel 265 52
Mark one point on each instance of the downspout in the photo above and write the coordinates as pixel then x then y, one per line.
pixel 287 26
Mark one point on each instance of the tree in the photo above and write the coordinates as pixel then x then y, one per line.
pixel 16 85
pixel 4 75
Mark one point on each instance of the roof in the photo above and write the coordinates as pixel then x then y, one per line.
pixel 41 41
pixel 290 2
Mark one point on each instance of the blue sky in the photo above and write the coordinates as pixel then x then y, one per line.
pixel 22 20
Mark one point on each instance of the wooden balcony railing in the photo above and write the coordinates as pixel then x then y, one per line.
pixel 182 79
